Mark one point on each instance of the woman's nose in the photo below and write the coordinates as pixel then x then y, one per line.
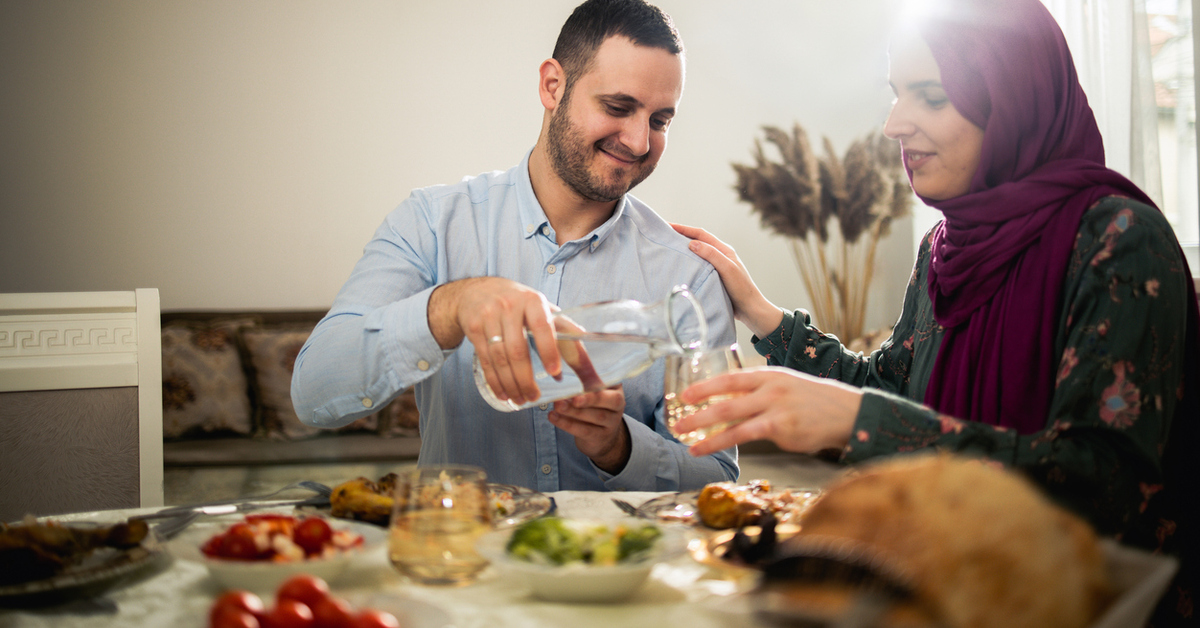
pixel 897 124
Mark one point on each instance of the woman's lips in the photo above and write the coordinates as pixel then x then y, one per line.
pixel 915 159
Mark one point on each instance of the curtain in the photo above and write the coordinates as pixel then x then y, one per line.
pixel 1110 42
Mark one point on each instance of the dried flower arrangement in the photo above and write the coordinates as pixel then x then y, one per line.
pixel 798 196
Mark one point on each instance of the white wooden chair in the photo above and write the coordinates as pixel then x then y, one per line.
pixel 80 402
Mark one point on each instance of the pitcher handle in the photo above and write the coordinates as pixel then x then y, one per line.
pixel 682 291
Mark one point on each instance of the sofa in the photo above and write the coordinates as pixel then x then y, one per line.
pixel 227 401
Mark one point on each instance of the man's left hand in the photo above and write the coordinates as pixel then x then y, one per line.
pixel 597 421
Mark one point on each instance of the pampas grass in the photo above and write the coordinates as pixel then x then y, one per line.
pixel 834 211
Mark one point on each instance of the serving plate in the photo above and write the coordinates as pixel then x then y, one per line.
pixel 682 507
pixel 514 505
pixel 95 574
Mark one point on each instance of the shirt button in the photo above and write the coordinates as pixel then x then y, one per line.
pixel 550 269
pixel 422 365
pixel 545 230
pixel 528 228
pixel 543 406
pixel 545 469
pixel 367 403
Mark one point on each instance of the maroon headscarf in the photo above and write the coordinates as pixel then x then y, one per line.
pixel 1001 254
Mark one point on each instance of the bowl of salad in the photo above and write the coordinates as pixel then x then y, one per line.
pixel 259 551
pixel 573 560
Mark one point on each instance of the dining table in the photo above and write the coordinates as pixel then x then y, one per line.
pixel 179 593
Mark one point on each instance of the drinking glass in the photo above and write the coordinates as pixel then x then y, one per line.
pixel 683 370
pixel 439 514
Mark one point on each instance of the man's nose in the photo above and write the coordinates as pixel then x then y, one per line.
pixel 636 135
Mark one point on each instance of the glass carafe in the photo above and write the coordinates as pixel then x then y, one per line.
pixel 603 344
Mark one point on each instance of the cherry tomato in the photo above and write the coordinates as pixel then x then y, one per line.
pixel 303 588
pixel 229 617
pixel 238 600
pixel 239 547
pixel 333 612
pixel 288 614
pixel 312 534
pixel 372 618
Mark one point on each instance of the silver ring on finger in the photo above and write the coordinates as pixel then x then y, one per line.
pixel 495 339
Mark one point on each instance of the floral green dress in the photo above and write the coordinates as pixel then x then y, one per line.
pixel 1121 341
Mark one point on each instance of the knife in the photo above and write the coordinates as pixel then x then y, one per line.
pixel 229 509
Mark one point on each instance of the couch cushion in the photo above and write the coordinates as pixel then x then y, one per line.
pixel 204 385
pixel 272 352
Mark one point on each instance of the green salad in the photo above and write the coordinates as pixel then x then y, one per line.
pixel 556 541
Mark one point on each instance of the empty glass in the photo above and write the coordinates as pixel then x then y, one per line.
pixel 683 370
pixel 439 514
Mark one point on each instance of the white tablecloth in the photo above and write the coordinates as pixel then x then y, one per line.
pixel 678 593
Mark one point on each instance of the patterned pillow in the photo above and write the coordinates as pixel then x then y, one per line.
pixel 273 353
pixel 400 417
pixel 204 384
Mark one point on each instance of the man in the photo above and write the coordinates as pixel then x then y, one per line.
pixel 489 258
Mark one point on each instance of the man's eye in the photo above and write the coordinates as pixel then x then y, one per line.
pixel 659 124
pixel 617 111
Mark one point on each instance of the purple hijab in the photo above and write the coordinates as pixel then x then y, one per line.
pixel 1001 254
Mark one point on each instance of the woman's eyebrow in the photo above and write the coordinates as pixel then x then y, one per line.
pixel 915 85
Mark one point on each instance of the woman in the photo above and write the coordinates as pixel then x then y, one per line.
pixel 1050 323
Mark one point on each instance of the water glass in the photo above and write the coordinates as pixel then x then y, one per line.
pixel 439 514
pixel 683 370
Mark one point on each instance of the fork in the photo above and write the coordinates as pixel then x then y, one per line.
pixel 171 527
pixel 170 511
pixel 629 508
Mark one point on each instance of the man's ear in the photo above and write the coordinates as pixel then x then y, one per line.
pixel 551 83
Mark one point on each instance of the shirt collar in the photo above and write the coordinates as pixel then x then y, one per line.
pixel 533 217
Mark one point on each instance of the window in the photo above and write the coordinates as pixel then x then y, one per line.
pixel 1170 24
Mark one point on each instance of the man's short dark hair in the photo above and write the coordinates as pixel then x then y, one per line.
pixel 596 20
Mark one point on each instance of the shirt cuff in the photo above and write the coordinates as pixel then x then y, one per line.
pixel 774 340
pixel 642 469
pixel 412 352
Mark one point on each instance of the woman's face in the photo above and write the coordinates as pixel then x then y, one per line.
pixel 941 147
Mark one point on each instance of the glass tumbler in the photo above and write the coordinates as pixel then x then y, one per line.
pixel 439 514
pixel 683 370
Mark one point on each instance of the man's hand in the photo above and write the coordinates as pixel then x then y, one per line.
pixel 493 314
pixel 597 421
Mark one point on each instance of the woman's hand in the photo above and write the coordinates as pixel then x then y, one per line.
pixel 749 304
pixel 798 412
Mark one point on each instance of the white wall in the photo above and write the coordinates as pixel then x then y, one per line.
pixel 239 154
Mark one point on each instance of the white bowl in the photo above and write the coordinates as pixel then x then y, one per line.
pixel 579 582
pixel 265 577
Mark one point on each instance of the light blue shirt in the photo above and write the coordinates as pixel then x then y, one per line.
pixel 375 342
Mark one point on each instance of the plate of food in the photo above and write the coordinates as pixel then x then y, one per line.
pixel 577 560
pixel 727 505
pixel 259 551
pixel 49 561
pixel 372 501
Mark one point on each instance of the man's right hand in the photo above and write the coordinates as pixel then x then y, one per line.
pixel 493 314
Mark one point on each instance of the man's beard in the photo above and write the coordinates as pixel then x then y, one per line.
pixel 569 155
